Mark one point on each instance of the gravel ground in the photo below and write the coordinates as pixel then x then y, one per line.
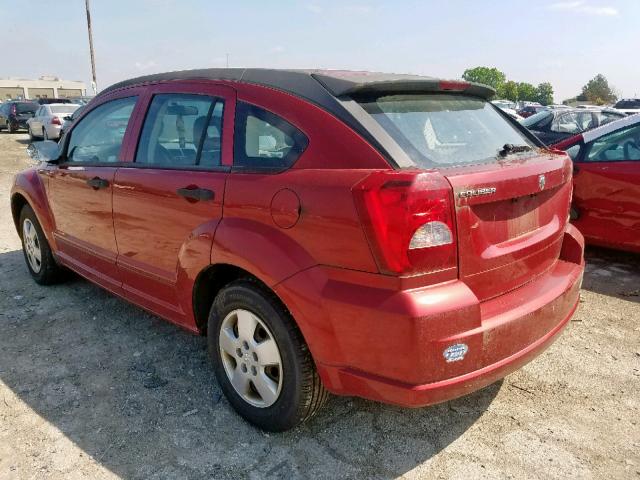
pixel 93 387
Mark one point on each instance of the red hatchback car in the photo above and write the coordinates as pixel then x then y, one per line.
pixel 606 196
pixel 393 237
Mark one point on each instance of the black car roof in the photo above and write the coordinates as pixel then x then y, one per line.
pixel 321 87
pixel 309 83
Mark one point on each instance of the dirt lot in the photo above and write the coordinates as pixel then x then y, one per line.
pixel 93 387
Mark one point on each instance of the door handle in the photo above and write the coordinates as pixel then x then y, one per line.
pixel 196 193
pixel 97 183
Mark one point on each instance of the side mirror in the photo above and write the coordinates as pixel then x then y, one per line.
pixel 46 151
pixel 67 118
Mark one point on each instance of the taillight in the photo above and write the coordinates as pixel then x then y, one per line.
pixel 408 220
pixel 56 121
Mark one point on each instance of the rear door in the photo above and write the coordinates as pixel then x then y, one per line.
pixel 607 188
pixel 169 197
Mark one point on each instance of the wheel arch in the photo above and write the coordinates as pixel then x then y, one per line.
pixel 18 201
pixel 210 281
pixel 28 190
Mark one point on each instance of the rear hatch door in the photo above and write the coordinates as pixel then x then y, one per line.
pixel 510 218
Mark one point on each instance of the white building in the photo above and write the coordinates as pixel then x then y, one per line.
pixel 44 87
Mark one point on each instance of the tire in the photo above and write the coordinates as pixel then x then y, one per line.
pixel 31 136
pixel 299 392
pixel 45 271
pixel 10 129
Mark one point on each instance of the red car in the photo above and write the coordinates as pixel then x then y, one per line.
pixel 530 110
pixel 606 195
pixel 386 236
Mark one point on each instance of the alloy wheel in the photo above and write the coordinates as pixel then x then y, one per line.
pixel 32 245
pixel 251 358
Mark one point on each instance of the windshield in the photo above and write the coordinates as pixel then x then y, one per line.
pixel 26 107
pixel 63 108
pixel 541 118
pixel 444 129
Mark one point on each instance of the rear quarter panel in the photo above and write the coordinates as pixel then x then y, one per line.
pixel 327 230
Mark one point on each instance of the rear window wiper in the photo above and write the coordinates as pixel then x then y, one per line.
pixel 510 148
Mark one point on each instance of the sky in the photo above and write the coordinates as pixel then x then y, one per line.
pixel 564 42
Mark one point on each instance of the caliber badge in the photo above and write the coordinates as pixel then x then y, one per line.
pixel 477 192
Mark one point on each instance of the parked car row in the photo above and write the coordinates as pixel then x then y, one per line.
pixel 604 144
pixel 14 115
pixel 47 122
pixel 553 126
pixel 606 195
pixel 42 119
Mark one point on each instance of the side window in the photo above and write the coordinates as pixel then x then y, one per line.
pixel 616 146
pixel 574 151
pixel 263 140
pixel 182 130
pixel 98 137
pixel 566 123
pixel 606 117
pixel 586 121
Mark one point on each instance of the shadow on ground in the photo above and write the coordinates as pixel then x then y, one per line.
pixel 137 394
pixel 613 273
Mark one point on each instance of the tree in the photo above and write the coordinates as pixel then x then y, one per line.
pixel 510 91
pixel 486 75
pixel 598 91
pixel 527 92
pixel 544 93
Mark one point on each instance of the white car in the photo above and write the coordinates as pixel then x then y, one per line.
pixel 47 121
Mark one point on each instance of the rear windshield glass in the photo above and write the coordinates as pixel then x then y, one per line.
pixel 63 108
pixel 27 107
pixel 444 129
pixel 539 119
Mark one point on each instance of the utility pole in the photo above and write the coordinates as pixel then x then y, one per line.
pixel 94 84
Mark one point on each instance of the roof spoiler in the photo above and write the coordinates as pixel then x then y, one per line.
pixel 348 84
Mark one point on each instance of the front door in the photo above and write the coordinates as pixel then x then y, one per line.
pixel 167 203
pixel 607 189
pixel 80 192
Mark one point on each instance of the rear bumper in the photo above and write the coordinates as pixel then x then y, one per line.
pixel 373 340
pixel 53 131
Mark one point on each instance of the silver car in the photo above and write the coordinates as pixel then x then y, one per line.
pixel 47 122
pixel 69 119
